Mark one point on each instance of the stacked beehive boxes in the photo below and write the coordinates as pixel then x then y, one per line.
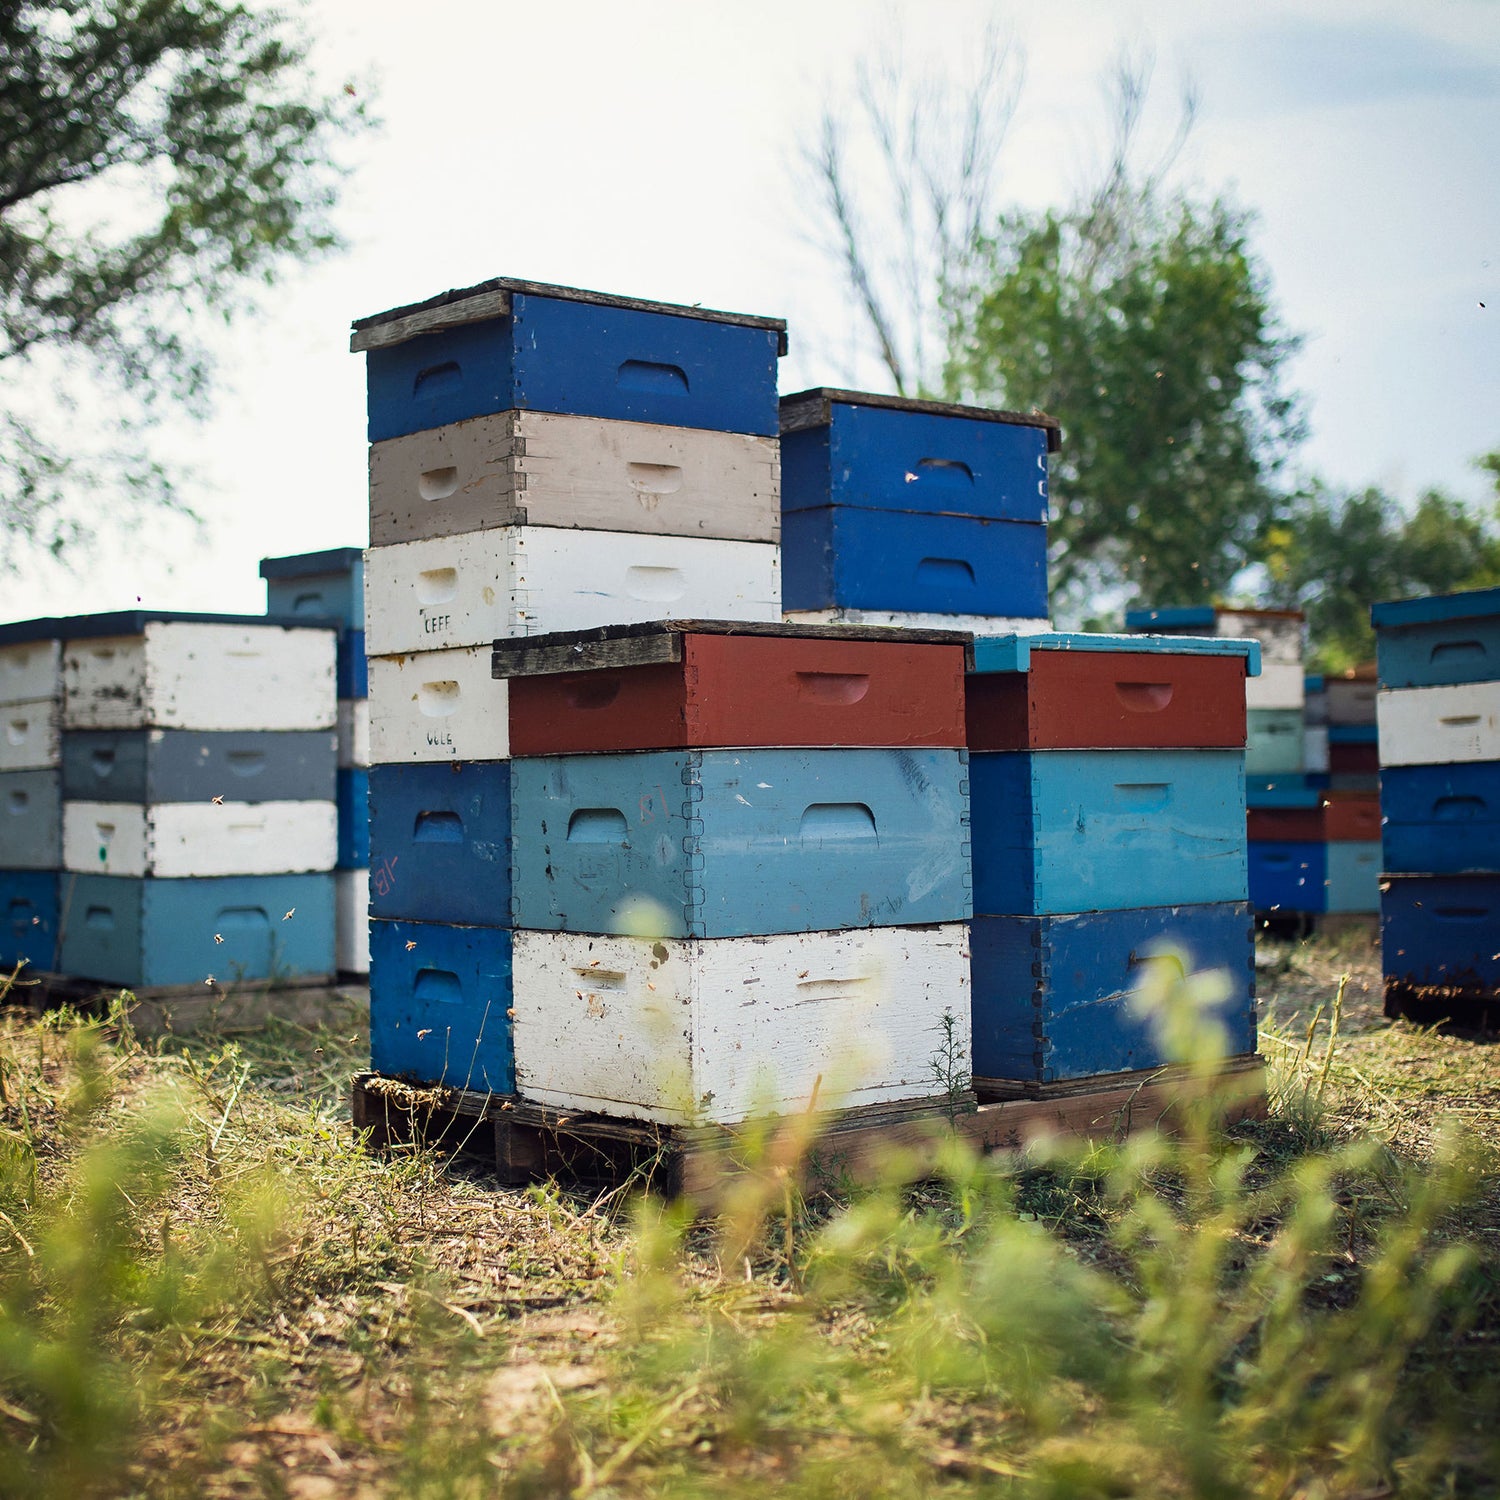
pixel 198 821
pixel 542 459
pixel 1439 717
pixel 1107 778
pixel 914 513
pixel 740 872
pixel 30 792
pixel 331 585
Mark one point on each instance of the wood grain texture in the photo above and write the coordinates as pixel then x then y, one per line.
pixel 30 736
pixel 186 675
pixel 543 469
pixel 30 670
pixel 749 690
pixel 437 705
pixel 177 839
pixel 528 580
pixel 397 327
pixel 681 1031
pixel 1434 726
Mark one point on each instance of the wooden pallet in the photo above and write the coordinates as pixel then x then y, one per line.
pixel 184 1009
pixel 526 1141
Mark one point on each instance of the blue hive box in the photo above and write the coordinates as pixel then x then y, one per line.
pixel 1441 930
pixel 440 842
pixel 148 932
pixel 1287 876
pixel 1444 639
pixel 849 448
pixel 1052 994
pixel 329 585
pixel 740 843
pixel 354 818
pixel 352 670
pixel 514 344
pixel 1441 820
pixel 28 918
pixel 440 1001
pixel 1058 831
pixel 189 765
pixel 841 557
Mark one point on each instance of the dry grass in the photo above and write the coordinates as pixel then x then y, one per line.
pixel 288 1315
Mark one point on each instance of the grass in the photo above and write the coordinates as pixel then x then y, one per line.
pixel 206 1288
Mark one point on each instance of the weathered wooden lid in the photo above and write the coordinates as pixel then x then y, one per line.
pixel 128 622
pixel 1435 609
pixel 491 299
pixel 815 409
pixel 1013 653
pixel 311 564
pixel 652 642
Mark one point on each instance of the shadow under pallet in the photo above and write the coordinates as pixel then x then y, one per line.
pixel 525 1141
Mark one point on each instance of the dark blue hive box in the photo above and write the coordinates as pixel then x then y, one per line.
pixel 440 1000
pixel 440 842
pixel 354 818
pixel 1436 641
pixel 190 765
pixel 1057 831
pixel 1441 820
pixel 519 345
pixel 1052 994
pixel 1441 930
pixel 1287 876
pixel 28 918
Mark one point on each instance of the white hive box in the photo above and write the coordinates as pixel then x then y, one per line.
pixel 1281 684
pixel 1427 726
pixel 29 735
pixel 177 839
pixel 437 705
pixel 520 468
pixel 206 672
pixel 906 620
pixel 527 580
pixel 30 670
pixel 351 897
pixel 353 733
pixel 716 1030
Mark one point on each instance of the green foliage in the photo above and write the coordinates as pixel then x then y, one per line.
pixel 1145 323
pixel 156 156
pixel 1334 555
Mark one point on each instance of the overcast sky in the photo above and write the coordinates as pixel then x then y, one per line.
pixel 647 147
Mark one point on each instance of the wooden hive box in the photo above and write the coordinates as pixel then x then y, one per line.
pixel 527 468
pixel 156 933
pixel 1314 700
pixel 1273 741
pixel 739 843
pixel 1288 876
pixel 1086 692
pixel 352 802
pixel 1353 879
pixel 1052 995
pixel 190 765
pixel 1279 631
pixel 1439 640
pixel 1441 932
pixel 899 619
pixel 1441 819
pixel 440 1004
pixel 30 662
pixel 353 732
pixel 183 839
pixel 529 346
pixel 139 669
pixel 678 1031
pixel 687 684
pixel 29 914
pixel 529 580
pixel 30 737
pixel 351 896
pixel 437 706
pixel 1350 700
pixel 440 842
pixel 1061 831
pixel 31 820
pixel 1434 725
pixel 325 585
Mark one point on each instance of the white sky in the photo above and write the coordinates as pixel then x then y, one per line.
pixel 646 147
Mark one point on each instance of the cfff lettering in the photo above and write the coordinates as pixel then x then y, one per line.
pixel 434 624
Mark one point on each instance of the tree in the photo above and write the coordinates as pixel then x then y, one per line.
pixel 1137 316
pixel 1146 326
pixel 158 159
pixel 1335 554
